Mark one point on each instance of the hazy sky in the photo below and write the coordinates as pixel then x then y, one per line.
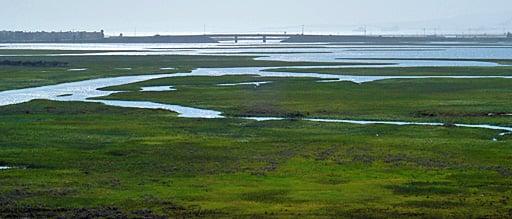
pixel 333 16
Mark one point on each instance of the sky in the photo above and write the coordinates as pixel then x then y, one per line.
pixel 142 17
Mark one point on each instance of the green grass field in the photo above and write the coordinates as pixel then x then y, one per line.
pixel 77 159
pixel 427 100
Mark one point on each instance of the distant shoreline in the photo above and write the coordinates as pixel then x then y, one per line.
pixel 99 37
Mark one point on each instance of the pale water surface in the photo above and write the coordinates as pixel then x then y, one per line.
pixel 158 88
pixel 302 52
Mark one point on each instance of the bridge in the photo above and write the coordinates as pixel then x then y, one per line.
pixel 239 37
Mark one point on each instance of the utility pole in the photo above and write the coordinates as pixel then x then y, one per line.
pixel 302 29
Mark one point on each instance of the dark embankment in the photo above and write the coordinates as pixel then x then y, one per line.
pixel 33 63
pixel 392 39
pixel 159 39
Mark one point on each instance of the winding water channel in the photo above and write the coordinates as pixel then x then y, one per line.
pixel 88 91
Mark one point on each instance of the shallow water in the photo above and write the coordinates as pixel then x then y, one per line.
pixel 73 91
pixel 507 130
pixel 301 52
pixel 5 168
pixel 184 112
pixel 77 69
pixel 124 69
pixel 263 119
pixel 158 88
pixel 362 122
pixel 257 71
pixel 85 90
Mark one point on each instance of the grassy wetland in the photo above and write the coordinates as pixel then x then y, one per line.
pixel 76 159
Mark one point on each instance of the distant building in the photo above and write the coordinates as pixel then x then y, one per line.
pixel 49 37
pixel 509 35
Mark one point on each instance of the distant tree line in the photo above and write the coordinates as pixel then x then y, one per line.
pixel 33 63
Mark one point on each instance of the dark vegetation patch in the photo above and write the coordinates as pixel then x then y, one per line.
pixel 435 204
pixel 271 163
pixel 167 210
pixel 45 212
pixel 33 63
pixel 437 114
pixel 342 155
pixel 425 162
pixel 262 110
pixel 171 209
pixel 10 197
pixel 502 170
pixel 14 196
pixel 62 108
pixel 267 196
pixel 360 155
pixel 333 180
pixel 483 180
pixel 425 188
pixel 375 212
pixel 327 153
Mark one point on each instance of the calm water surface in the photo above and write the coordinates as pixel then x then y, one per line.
pixel 317 52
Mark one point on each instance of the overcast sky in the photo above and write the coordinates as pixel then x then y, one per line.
pixel 190 16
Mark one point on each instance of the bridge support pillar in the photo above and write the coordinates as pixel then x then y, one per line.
pixel 236 39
